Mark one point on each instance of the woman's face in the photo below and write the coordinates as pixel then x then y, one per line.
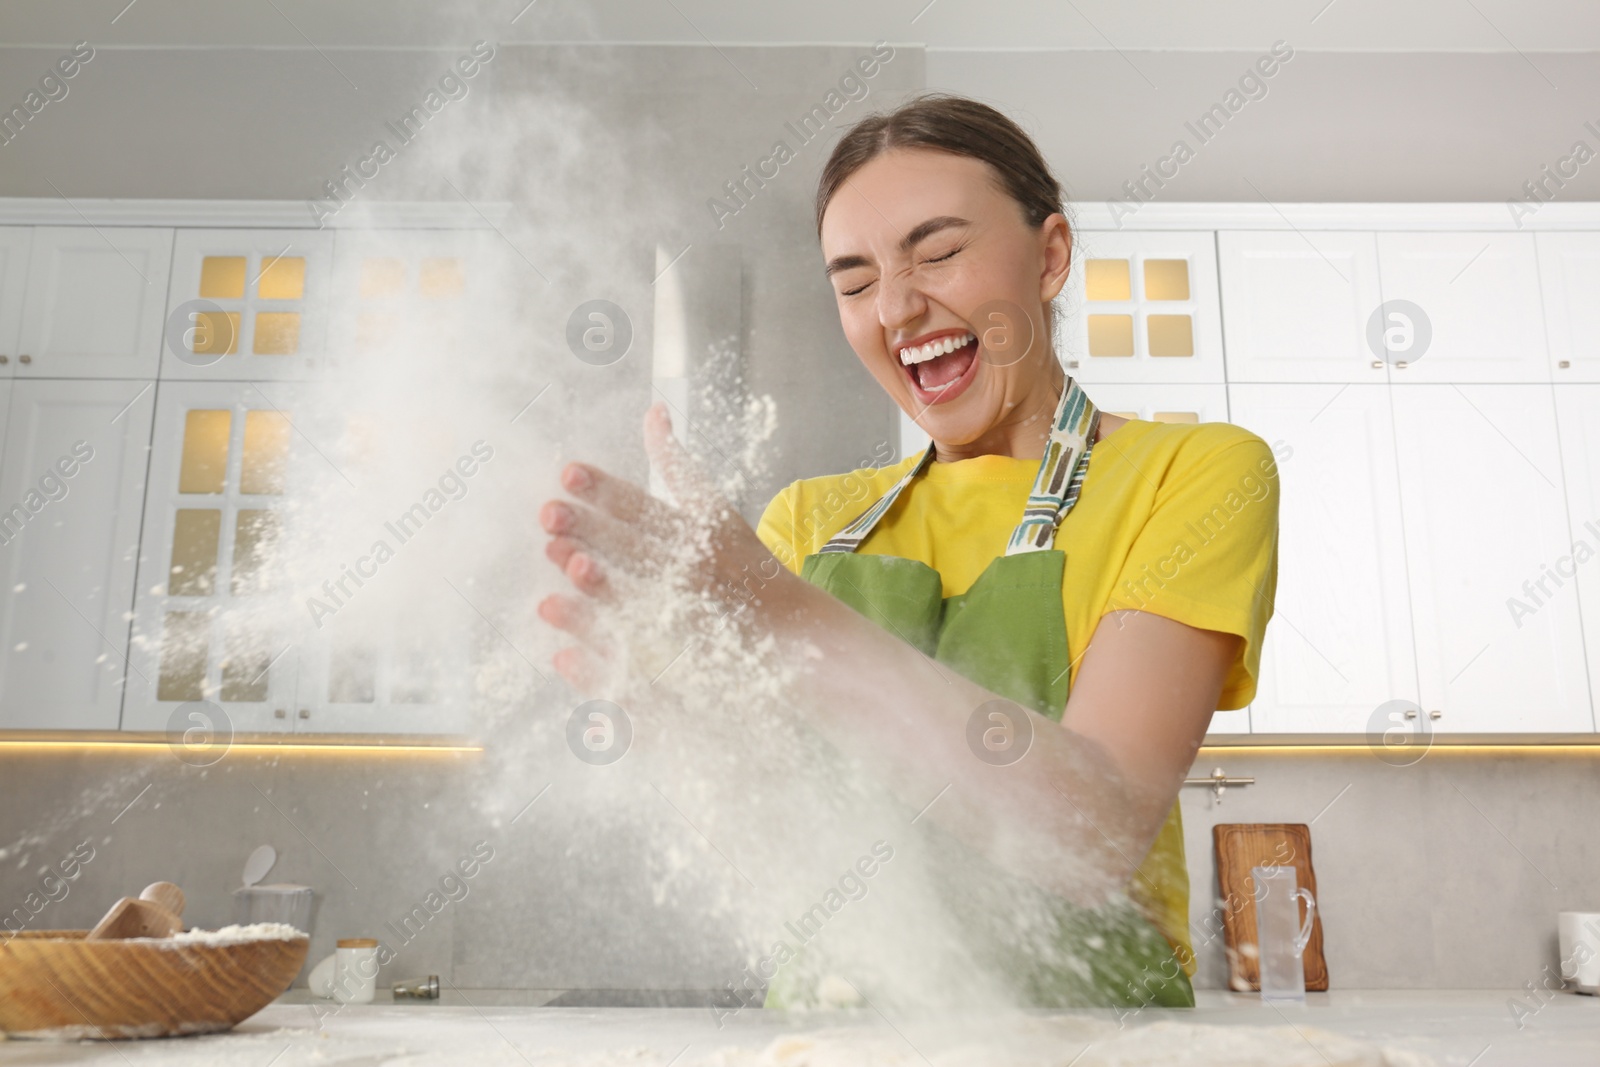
pixel 941 286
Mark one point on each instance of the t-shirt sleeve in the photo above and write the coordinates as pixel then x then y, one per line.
pixel 776 528
pixel 1208 553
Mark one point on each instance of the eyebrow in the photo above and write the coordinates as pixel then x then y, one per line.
pixel 918 234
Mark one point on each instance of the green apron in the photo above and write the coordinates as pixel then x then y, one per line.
pixel 1008 634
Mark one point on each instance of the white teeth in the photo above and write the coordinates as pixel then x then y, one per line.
pixel 939 347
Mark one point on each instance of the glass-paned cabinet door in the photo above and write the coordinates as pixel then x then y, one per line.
pixel 94 303
pixel 377 671
pixel 247 305
pixel 1143 307
pixel 1185 404
pixel 1298 306
pixel 72 486
pixel 417 301
pixel 1569 269
pixel 15 241
pixel 211 619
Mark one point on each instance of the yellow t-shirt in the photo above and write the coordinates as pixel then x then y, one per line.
pixel 1177 520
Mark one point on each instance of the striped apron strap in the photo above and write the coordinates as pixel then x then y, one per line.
pixel 1055 487
pixel 850 538
pixel 1061 473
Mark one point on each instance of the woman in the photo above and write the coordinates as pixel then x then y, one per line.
pixel 1099 585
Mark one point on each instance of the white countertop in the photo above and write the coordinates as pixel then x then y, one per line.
pixel 1456 1028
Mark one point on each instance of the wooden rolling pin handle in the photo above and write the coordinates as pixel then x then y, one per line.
pixel 165 894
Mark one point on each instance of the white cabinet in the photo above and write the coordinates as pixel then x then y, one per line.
pixel 94 302
pixel 1161 403
pixel 1339 644
pixel 203 627
pixel 417 298
pixel 1578 414
pixel 1475 298
pixel 1143 307
pixel 254 593
pixel 248 305
pixel 72 487
pixel 1484 514
pixel 1569 273
pixel 1296 306
pixel 14 244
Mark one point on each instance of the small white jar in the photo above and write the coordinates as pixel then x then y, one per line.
pixel 355 970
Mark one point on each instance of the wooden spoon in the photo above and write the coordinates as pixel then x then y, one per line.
pixel 156 912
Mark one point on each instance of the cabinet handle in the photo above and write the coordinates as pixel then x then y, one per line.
pixel 279 713
pixel 1402 364
pixel 305 713
pixel 1565 364
pixel 24 359
pixel 1411 713
pixel 4 360
pixel 1435 713
pixel 1072 364
pixel 1377 364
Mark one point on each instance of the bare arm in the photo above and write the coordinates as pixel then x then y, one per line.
pixel 1075 814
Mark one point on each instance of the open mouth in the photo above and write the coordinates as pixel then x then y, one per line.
pixel 940 368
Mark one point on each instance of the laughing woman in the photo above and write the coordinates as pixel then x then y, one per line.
pixel 1097 585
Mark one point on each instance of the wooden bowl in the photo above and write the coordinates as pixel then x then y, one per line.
pixel 53 983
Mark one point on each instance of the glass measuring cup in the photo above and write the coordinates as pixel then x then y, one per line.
pixel 1281 936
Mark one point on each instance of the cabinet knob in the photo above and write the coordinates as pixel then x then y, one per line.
pixel 4 360
pixel 1435 713
pixel 305 713
pixel 1411 713
pixel 279 713
pixel 1072 364
pixel 1402 364
pixel 24 359
pixel 1565 364
pixel 1377 364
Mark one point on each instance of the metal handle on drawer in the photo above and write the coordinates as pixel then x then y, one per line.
pixel 24 359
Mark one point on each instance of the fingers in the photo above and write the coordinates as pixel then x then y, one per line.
pixel 582 669
pixel 582 570
pixel 615 496
pixel 572 614
pixel 669 457
pixel 586 528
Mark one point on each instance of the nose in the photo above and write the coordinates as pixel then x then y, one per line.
pixel 900 302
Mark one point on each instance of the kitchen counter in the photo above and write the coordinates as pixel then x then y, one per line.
pixel 1456 1028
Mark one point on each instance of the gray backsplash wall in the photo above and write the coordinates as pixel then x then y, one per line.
pixel 1444 874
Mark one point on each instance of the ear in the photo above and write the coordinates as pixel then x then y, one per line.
pixel 1055 237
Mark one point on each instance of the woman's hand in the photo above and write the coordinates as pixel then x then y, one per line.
pixel 634 558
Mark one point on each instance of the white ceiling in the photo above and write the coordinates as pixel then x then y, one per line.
pixel 1187 25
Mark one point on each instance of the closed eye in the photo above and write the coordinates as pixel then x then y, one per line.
pixel 947 255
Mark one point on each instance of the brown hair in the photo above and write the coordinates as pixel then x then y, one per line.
pixel 945 122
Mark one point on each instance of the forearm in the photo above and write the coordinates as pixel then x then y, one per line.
pixel 1062 815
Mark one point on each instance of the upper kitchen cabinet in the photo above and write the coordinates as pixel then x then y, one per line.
pixel 1143 307
pixel 94 303
pixel 1569 271
pixel 1578 415
pixel 1339 644
pixel 214 509
pixel 1161 403
pixel 1484 516
pixel 1298 306
pixel 415 297
pixel 248 305
pixel 14 244
pixel 72 485
pixel 1463 307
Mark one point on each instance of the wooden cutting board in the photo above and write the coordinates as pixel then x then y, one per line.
pixel 1241 846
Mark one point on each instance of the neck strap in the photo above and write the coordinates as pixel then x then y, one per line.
pixel 1055 487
